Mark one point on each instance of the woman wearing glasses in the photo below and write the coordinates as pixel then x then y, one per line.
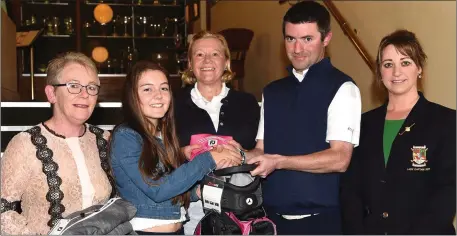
pixel 59 166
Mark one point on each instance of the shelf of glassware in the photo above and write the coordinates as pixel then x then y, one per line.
pixel 99 75
pixel 46 3
pixel 136 4
pixel 128 37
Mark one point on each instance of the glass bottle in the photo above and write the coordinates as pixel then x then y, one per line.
pixel 109 67
pixel 130 58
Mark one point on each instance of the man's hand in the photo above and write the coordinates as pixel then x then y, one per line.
pixel 266 164
pixel 187 150
pixel 225 157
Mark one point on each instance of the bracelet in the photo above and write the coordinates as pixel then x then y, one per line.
pixel 243 155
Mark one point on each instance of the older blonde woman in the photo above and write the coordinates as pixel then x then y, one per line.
pixel 59 166
pixel 208 106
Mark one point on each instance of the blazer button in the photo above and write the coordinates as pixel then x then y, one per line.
pixel 385 215
pixel 222 113
pixel 221 124
pixel 383 181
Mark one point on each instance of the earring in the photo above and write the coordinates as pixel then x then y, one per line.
pixel 190 69
pixel 420 76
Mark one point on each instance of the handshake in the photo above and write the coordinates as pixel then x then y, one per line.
pixel 225 151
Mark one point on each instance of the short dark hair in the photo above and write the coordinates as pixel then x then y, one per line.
pixel 308 12
pixel 406 43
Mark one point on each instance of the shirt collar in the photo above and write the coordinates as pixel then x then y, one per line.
pixel 299 76
pixel 195 93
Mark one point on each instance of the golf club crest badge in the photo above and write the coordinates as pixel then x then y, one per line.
pixel 419 156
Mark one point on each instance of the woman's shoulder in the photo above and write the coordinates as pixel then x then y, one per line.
pixel 242 96
pixel 374 113
pixel 98 131
pixel 442 116
pixel 183 94
pixel 125 139
pixel 22 138
pixel 124 130
pixel 20 147
pixel 442 110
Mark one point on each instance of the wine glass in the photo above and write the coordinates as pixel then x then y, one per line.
pixel 115 22
pixel 126 21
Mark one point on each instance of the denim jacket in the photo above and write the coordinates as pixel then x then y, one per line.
pixel 152 201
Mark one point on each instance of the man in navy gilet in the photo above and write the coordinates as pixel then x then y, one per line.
pixel 309 126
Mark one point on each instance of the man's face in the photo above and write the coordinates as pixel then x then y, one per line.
pixel 304 46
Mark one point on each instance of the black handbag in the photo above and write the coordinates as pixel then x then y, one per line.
pixel 112 218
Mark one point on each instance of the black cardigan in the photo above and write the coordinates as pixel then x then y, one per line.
pixel 239 117
pixel 403 198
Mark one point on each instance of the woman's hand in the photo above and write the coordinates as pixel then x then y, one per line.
pixel 225 157
pixel 236 147
pixel 235 144
pixel 187 150
pixel 224 163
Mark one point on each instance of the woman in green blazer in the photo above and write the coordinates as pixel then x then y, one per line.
pixel 402 177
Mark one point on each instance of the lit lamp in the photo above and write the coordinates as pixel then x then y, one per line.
pixel 100 55
pixel 103 13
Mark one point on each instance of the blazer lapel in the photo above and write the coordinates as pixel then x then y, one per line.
pixel 378 134
pixel 415 118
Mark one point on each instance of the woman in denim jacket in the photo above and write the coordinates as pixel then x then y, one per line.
pixel 148 166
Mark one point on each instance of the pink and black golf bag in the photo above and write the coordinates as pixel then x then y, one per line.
pixel 232 202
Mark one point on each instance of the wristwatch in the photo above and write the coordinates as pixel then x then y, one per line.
pixel 243 157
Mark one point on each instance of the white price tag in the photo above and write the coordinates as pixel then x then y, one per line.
pixel 212 197
pixel 59 227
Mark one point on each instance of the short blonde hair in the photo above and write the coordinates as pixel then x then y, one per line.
pixel 188 77
pixel 57 64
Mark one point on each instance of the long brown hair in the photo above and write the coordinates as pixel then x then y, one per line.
pixel 153 153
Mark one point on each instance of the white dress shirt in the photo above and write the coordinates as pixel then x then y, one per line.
pixel 213 107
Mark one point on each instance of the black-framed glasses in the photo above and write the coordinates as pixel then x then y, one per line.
pixel 76 88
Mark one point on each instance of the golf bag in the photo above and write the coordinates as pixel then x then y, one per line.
pixel 232 202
